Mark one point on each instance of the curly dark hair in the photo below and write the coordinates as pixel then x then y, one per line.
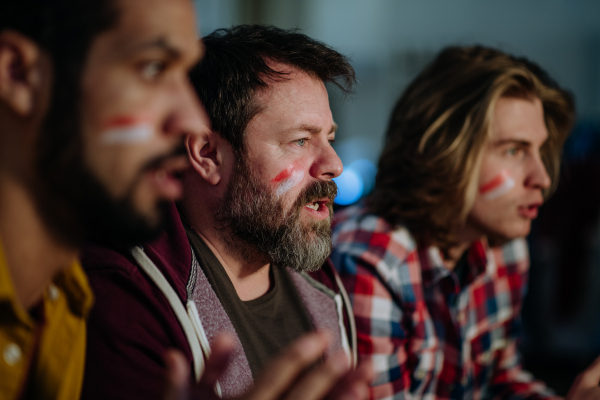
pixel 235 66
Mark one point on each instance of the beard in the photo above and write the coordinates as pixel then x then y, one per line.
pixel 71 200
pixel 259 228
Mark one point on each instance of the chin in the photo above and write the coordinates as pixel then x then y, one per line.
pixel 502 236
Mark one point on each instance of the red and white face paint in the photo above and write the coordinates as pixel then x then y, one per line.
pixel 127 130
pixel 287 179
pixel 500 185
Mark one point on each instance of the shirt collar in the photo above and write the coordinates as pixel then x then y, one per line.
pixel 433 269
pixel 72 281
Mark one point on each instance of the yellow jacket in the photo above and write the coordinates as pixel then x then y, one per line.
pixel 43 357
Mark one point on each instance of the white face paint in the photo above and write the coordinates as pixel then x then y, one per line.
pixel 128 134
pixel 295 178
pixel 498 186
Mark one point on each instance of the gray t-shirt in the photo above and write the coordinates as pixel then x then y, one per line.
pixel 265 325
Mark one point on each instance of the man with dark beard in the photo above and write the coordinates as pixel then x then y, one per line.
pixel 94 102
pixel 236 255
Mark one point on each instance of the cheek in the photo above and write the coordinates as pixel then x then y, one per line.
pixel 498 186
pixel 127 130
pixel 287 180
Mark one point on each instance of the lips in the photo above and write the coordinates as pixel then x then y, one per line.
pixel 319 208
pixel 530 211
pixel 165 176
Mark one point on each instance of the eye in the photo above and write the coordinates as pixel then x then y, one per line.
pixel 301 142
pixel 152 69
pixel 513 151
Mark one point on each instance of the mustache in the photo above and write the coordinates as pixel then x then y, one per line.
pixel 157 161
pixel 317 190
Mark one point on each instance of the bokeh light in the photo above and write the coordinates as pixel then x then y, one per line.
pixel 350 187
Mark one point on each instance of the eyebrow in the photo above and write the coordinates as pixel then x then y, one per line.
pixel 314 130
pixel 159 44
pixel 512 141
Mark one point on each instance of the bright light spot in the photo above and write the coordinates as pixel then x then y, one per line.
pixel 367 172
pixel 350 187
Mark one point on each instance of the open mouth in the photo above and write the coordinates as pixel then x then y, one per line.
pixel 315 206
pixel 166 176
pixel 530 211
pixel 319 208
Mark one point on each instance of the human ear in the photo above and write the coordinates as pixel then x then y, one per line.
pixel 21 71
pixel 205 155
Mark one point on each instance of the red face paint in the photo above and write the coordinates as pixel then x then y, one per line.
pixel 498 186
pixel 125 120
pixel 127 130
pixel 287 179
pixel 286 173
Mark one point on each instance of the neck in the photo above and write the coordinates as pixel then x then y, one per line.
pixel 466 236
pixel 249 274
pixel 32 253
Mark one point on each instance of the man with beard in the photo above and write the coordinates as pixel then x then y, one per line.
pixel 236 256
pixel 94 102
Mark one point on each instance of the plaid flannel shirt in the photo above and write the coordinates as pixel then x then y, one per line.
pixel 426 337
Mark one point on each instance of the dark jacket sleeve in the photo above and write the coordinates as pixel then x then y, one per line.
pixel 130 328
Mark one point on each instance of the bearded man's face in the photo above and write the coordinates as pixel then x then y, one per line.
pixel 278 204
pixel 111 149
pixel 258 225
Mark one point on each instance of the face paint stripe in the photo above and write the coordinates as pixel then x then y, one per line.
pixel 125 121
pixel 498 180
pixel 501 190
pixel 129 134
pixel 285 174
pixel 498 186
pixel 293 180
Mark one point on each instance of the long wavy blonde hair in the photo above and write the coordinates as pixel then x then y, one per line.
pixel 429 168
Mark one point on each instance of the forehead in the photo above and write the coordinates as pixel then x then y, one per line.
pixel 519 119
pixel 143 21
pixel 297 99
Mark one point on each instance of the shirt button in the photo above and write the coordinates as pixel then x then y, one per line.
pixel 12 354
pixel 486 357
pixel 420 374
pixel 53 292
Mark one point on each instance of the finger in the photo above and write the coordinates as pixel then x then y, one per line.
pixel 585 394
pixel 221 351
pixel 178 375
pixel 319 381
pixel 355 385
pixel 591 376
pixel 354 391
pixel 279 376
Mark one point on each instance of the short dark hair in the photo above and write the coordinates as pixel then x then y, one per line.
pixel 235 66
pixel 428 170
pixel 65 30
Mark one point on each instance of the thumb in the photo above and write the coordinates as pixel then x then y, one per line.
pixel 591 376
pixel 178 375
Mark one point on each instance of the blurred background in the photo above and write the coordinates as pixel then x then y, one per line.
pixel 389 42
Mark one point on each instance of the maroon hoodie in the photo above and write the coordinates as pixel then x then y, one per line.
pixel 132 324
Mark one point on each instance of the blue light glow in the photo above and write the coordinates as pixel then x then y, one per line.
pixel 350 187
pixel 367 172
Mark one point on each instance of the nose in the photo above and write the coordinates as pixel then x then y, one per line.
pixel 189 115
pixel 327 164
pixel 538 176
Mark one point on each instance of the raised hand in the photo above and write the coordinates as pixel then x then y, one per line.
pixel 286 377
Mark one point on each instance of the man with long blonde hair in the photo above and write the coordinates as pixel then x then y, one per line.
pixel 435 259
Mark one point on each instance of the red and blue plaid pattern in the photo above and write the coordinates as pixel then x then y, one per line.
pixel 427 337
